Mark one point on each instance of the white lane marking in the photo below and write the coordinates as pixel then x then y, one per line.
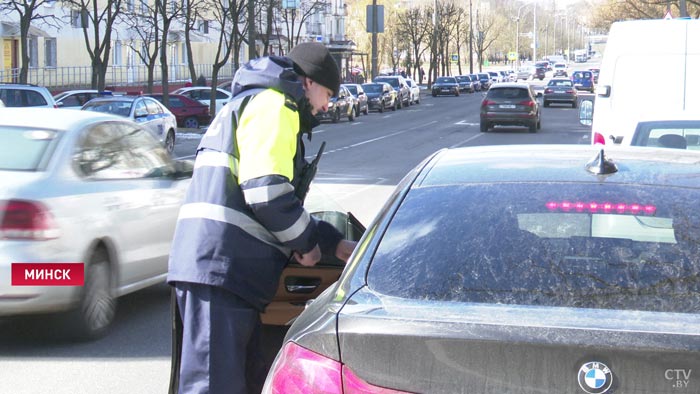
pixel 465 141
pixel 465 123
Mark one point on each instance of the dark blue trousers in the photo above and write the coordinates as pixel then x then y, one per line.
pixel 221 350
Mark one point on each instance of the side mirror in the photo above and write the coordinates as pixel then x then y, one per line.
pixel 585 113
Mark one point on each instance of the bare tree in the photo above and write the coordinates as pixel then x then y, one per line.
pixel 487 32
pixel 609 11
pixel 29 12
pixel 98 22
pixel 415 25
pixel 168 11
pixel 295 18
pixel 144 31
pixel 192 12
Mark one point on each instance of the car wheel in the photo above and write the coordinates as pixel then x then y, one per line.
pixel 533 127
pixel 366 111
pixel 336 116
pixel 351 116
pixel 484 127
pixel 434 95
pixel 396 105
pixel 191 123
pixel 574 104
pixel 539 123
pixel 546 104
pixel 170 141
pixel 400 102
pixel 418 99
pixel 357 111
pixel 97 308
pixel 381 107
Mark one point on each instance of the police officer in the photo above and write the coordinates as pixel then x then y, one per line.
pixel 242 219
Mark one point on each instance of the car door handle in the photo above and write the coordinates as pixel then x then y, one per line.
pixel 301 288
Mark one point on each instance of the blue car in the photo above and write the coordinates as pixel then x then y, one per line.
pixel 583 80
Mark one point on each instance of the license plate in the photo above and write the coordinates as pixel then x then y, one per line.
pixel 507 106
pixel 445 89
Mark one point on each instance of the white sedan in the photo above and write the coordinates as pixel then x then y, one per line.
pixel 90 195
pixel 203 94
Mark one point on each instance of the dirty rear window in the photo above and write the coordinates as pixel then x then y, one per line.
pixel 508 93
pixel 627 248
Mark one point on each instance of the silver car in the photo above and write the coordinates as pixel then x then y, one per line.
pixel 146 111
pixel 95 194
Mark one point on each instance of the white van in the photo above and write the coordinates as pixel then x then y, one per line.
pixel 630 85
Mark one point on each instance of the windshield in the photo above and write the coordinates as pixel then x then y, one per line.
pixel 352 89
pixel 372 88
pixel 391 81
pixel 445 80
pixel 23 149
pixel 122 108
pixel 637 248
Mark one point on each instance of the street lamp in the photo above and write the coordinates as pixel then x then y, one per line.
pixel 517 37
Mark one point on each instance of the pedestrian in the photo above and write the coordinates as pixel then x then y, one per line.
pixel 243 219
pixel 421 73
pixel 202 80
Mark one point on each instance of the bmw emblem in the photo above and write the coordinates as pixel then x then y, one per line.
pixel 595 377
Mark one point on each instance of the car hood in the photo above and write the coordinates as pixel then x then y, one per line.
pixel 444 347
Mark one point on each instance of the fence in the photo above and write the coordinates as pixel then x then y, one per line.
pixel 65 78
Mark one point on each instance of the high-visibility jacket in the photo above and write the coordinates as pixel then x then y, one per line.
pixel 241 220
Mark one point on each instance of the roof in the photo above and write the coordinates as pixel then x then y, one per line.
pixel 50 118
pixel 561 163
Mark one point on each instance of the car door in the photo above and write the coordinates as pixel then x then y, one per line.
pixel 300 284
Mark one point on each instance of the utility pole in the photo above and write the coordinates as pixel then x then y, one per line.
pixel 534 32
pixel 471 40
pixel 375 27
pixel 252 52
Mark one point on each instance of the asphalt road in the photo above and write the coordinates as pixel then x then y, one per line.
pixel 364 160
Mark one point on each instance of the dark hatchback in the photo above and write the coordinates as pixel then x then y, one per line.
pixel 515 269
pixel 510 104
pixel 540 73
pixel 189 113
pixel 445 86
pixel 380 96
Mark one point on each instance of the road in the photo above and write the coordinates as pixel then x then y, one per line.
pixel 364 160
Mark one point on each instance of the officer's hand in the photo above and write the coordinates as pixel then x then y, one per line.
pixel 310 258
pixel 344 249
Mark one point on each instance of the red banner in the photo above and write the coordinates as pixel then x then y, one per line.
pixel 48 274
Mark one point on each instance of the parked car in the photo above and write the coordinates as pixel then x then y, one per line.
pixel 485 80
pixel 189 113
pixel 15 95
pixel 488 258
pixel 90 189
pixel 495 77
pixel 465 83
pixel 380 96
pixel 476 82
pixel 445 85
pixel 145 111
pixel 360 98
pixel 544 64
pixel 399 84
pixel 510 104
pixel 203 94
pixel 75 99
pixel 560 70
pixel 560 90
pixel 341 105
pixel 415 90
pixel 540 73
pixel 583 80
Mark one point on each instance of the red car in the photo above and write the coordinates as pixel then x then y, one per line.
pixel 189 113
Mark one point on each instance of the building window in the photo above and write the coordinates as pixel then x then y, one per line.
pixel 78 19
pixel 50 52
pixel 117 61
pixel 204 27
pixel 33 49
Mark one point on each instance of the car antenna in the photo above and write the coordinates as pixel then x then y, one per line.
pixel 600 165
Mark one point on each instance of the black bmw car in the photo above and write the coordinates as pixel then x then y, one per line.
pixel 445 85
pixel 515 269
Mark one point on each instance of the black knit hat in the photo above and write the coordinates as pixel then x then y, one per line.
pixel 314 61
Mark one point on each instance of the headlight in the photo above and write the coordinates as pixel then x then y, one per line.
pixel 330 104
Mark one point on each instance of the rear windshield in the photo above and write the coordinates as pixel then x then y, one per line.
pixel 23 149
pixel 532 244
pixel 562 82
pixel 586 75
pixel 22 98
pixel 508 93
pixel 372 88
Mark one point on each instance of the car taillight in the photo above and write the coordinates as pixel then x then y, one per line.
pixel 301 371
pixel 29 220
pixel 598 139
pixel 570 91
pixel 527 103
pixel 487 102
pixel 549 90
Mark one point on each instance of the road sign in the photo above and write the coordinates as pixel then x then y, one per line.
pixel 668 15
pixel 512 56
pixel 454 58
